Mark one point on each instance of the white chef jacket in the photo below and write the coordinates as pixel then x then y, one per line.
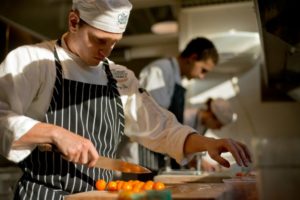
pixel 159 78
pixel 27 78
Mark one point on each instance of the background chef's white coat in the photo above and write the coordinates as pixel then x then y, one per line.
pixel 159 78
pixel 27 78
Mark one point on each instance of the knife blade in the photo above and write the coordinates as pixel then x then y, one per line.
pixel 107 163
pixel 120 165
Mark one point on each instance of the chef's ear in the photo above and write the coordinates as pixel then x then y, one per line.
pixel 193 57
pixel 74 20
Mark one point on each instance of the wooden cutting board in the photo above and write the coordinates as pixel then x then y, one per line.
pixel 93 195
pixel 195 191
pixel 203 178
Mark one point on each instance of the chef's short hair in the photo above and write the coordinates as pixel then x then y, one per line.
pixel 203 47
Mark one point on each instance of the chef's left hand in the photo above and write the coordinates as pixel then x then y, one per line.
pixel 238 150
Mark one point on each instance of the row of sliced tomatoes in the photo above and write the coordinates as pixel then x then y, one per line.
pixel 131 185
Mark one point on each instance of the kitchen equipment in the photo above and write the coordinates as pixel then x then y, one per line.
pixel 107 163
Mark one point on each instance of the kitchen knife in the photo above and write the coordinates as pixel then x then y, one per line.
pixel 107 163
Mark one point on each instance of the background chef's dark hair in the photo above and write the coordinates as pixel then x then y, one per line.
pixel 203 47
pixel 208 103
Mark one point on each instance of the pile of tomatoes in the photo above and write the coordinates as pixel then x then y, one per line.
pixel 130 186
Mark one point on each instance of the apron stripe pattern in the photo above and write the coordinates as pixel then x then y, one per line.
pixel 92 111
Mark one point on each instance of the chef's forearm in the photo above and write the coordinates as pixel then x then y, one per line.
pixel 196 143
pixel 40 133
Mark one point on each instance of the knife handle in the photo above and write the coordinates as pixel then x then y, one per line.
pixel 47 147
pixel 50 148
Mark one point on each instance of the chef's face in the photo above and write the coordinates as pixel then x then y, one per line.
pixel 211 121
pixel 199 68
pixel 92 45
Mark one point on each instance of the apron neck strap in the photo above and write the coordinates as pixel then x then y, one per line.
pixel 109 75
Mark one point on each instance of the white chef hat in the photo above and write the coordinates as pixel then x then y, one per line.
pixel 107 15
pixel 223 111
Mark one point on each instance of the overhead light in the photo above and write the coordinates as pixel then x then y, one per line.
pixel 165 27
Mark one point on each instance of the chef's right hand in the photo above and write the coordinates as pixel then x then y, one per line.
pixel 75 148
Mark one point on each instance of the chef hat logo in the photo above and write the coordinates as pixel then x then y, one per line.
pixel 107 15
pixel 123 18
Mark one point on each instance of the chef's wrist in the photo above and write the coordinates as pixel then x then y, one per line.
pixel 191 143
pixel 55 134
pixel 197 143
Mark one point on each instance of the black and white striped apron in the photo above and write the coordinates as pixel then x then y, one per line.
pixel 92 111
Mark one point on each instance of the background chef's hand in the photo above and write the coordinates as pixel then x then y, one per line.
pixel 206 165
pixel 209 167
pixel 215 147
pixel 238 150
pixel 75 148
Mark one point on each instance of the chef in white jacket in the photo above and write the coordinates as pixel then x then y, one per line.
pixel 213 115
pixel 162 79
pixel 68 94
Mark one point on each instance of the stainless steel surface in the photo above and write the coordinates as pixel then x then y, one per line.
pixel 279 33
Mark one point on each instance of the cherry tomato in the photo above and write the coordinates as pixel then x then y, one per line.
pixel 127 186
pixel 138 187
pixel 112 186
pixel 100 184
pixel 148 185
pixel 239 174
pixel 120 185
pixel 159 186
pixel 135 182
